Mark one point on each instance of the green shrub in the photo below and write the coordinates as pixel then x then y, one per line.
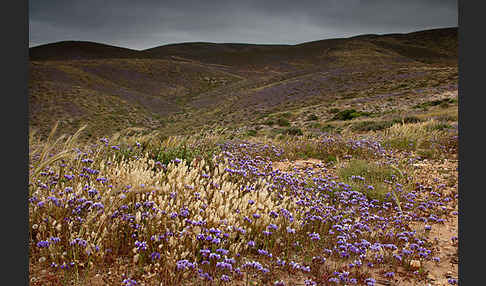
pixel 349 114
pixel 251 132
pixel 269 122
pixel 184 152
pixel 439 126
pixel 294 131
pixel 444 103
pixel 334 110
pixel 312 117
pixel 331 159
pixel 330 128
pixel 283 122
pixel 286 115
pixel 315 125
pixel 411 119
pixel 401 143
pixel 374 175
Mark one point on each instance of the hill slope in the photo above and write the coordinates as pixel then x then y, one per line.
pixel 77 50
pixel 184 87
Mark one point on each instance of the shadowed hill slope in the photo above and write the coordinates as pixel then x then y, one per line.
pixel 77 50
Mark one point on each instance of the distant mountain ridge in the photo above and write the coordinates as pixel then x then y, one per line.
pixel 408 44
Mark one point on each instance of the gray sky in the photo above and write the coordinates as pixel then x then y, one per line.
pixel 142 24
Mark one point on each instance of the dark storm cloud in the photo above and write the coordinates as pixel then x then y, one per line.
pixel 145 24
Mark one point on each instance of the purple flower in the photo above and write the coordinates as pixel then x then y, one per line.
pixel 222 251
pixel 262 252
pixel 370 281
pixel 452 281
pixel 55 239
pixel 225 278
pixel 214 256
pixel 205 252
pixel 314 236
pixel 43 243
pixel 309 282
pixel 155 255
pixel 129 282
pixel 141 245
pixel 272 226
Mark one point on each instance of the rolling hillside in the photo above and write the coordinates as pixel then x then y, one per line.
pixel 180 88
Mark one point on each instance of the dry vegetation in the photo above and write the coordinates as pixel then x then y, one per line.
pixel 212 209
pixel 326 163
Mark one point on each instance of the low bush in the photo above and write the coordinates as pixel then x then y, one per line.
pixel 371 178
pixel 251 132
pixel 283 122
pixel 371 125
pixel 294 131
pixel 312 117
pixel 349 114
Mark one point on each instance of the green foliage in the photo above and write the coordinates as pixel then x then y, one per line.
pixel 184 152
pixel 251 132
pixel 443 103
pixel 349 114
pixel 315 125
pixel 401 143
pixel 294 131
pixel 408 119
pixel 283 122
pixel 371 125
pixel 286 115
pixel 269 122
pixel 374 175
pixel 331 159
pixel 329 128
pixel 334 110
pixel 439 126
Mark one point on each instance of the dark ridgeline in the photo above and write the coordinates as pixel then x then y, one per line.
pixel 429 45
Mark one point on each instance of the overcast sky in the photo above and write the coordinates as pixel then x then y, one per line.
pixel 142 24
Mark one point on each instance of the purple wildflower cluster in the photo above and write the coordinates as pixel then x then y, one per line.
pixel 304 211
